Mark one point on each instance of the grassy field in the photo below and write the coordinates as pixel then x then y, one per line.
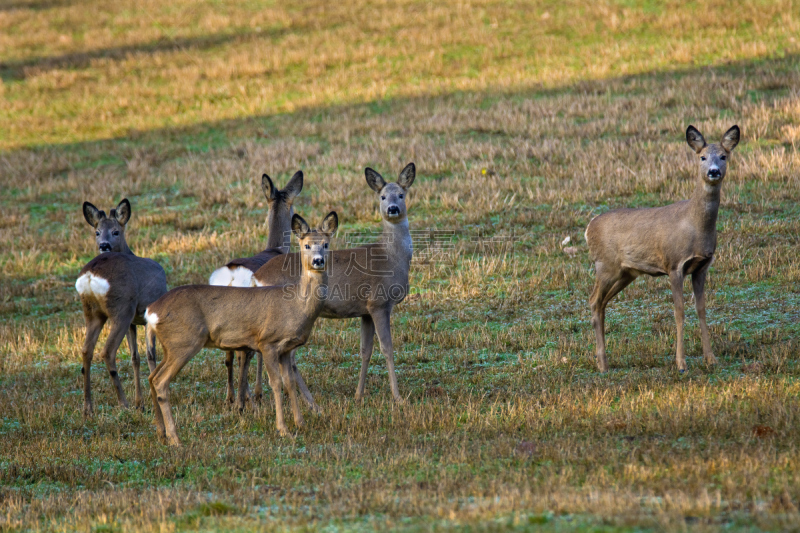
pixel 524 121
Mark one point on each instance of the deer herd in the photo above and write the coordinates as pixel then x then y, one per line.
pixel 266 305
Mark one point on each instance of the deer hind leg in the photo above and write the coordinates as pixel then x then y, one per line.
pixel 676 280
pixel 229 364
pixel 367 341
pixel 301 384
pixel 383 327
pixel 119 328
pixel 698 288
pixel 258 392
pixel 94 325
pixel 606 287
pixel 160 379
pixel 138 402
pixel 272 366
pixel 288 378
pixel 244 367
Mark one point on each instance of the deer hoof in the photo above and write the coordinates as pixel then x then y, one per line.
pixel 711 359
pixel 88 410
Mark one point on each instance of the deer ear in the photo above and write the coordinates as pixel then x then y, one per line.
pixel 268 187
pixel 695 139
pixel 374 180
pixel 92 215
pixel 731 138
pixel 299 226
pixel 294 186
pixel 123 212
pixel 407 176
pixel 330 224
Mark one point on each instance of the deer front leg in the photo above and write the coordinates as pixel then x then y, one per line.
pixel 288 378
pixel 138 401
pixel 676 280
pixel 301 384
pixel 698 288
pixel 94 325
pixel 119 328
pixel 272 366
pixel 367 343
pixel 382 320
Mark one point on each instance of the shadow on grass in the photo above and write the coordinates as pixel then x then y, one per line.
pixel 172 142
pixel 11 71
pixel 35 5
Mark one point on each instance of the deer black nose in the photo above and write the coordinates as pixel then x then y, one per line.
pixel 393 210
pixel 317 262
pixel 104 247
pixel 714 173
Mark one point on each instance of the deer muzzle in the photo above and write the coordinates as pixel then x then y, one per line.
pixel 318 263
pixel 104 247
pixel 393 211
pixel 714 173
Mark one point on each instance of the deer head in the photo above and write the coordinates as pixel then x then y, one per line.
pixel 713 157
pixel 392 195
pixel 109 230
pixel 315 243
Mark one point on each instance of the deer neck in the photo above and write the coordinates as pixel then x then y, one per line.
pixel 396 238
pixel 280 229
pixel 705 206
pixel 312 292
pixel 124 248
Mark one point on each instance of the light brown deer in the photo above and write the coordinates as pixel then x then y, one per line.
pixel 368 281
pixel 675 240
pixel 115 286
pixel 239 272
pixel 270 320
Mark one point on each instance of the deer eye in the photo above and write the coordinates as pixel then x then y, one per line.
pixel 702 158
pixel 308 247
pixel 97 233
pixel 326 245
pixel 383 198
pixel 116 233
pixel 723 157
pixel 401 196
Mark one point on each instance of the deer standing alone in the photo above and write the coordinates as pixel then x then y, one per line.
pixel 675 240
pixel 115 286
pixel 271 320
pixel 239 272
pixel 368 281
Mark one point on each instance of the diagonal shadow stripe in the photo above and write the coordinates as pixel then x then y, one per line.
pixel 19 70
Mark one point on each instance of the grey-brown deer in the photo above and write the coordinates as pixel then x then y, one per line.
pixel 368 281
pixel 239 272
pixel 271 320
pixel 116 287
pixel 675 240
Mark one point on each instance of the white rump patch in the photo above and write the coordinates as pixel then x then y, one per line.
pixel 237 277
pixel 92 285
pixel 151 318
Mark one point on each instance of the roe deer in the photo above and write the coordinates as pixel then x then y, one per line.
pixel 674 240
pixel 115 286
pixel 367 281
pixel 270 320
pixel 239 272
